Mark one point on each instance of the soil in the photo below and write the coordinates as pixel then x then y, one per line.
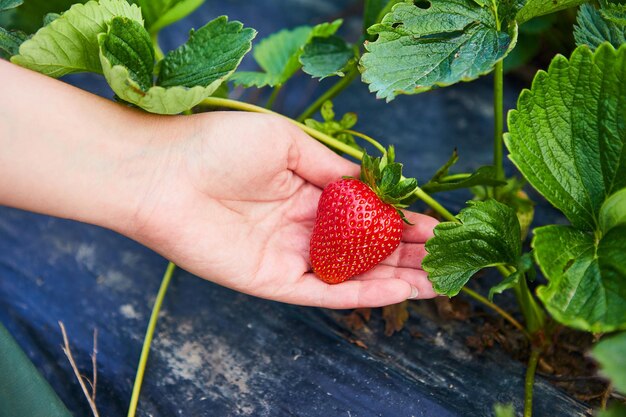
pixel 565 363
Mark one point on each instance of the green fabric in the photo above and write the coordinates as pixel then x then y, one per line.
pixel 23 391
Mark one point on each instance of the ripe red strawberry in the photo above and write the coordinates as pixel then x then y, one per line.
pixel 359 223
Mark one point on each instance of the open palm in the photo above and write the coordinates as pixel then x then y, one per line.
pixel 236 202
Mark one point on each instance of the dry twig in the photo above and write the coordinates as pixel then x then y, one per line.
pixel 91 397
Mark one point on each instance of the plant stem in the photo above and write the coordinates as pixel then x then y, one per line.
pixel 371 140
pixel 530 381
pixel 498 114
pixel 434 204
pixel 322 137
pixel 272 99
pixel 145 350
pixel 158 52
pixel 533 314
pixel 497 309
pixel 331 93
pixel 455 177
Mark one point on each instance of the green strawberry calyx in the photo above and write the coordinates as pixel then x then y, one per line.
pixel 384 176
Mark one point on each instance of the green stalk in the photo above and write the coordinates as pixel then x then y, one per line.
pixel 497 309
pixel 530 381
pixel 158 52
pixel 498 114
pixel 322 137
pixel 498 109
pixel 533 314
pixel 455 177
pixel 331 93
pixel 145 350
pixel 371 140
pixel 272 99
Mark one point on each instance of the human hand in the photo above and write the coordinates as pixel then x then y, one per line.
pixel 233 198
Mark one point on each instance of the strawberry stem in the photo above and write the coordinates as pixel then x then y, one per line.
pixel 145 349
pixel 371 140
pixel 331 93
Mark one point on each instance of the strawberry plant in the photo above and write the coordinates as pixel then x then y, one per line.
pixel 566 136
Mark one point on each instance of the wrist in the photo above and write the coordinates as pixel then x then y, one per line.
pixel 74 155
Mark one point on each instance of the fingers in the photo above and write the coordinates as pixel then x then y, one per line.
pixel 352 294
pixel 421 229
pixel 383 285
pixel 317 164
pixel 417 278
pixel 407 255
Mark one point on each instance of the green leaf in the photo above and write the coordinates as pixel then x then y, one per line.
pixel 513 195
pixel 384 177
pixel 418 49
pixel 9 4
pixel 484 176
pixel 592 28
pixel 127 65
pixel 10 42
pixel 585 278
pixel 173 100
pixel 256 79
pixel 161 13
pixel 615 13
pixel 212 53
pixel 23 391
pixel 525 265
pixel 534 8
pixel 488 235
pixel 70 43
pixel 390 176
pixel 50 17
pixel 279 54
pixel 404 189
pixel 127 43
pixel 613 211
pixel 568 134
pixel 324 57
pixel 611 354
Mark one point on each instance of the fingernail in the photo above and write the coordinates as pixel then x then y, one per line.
pixel 414 292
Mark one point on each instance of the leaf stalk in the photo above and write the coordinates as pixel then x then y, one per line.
pixel 497 309
pixel 533 314
pixel 371 140
pixel 145 349
pixel 272 99
pixel 498 126
pixel 329 94
pixel 530 381
pixel 158 52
